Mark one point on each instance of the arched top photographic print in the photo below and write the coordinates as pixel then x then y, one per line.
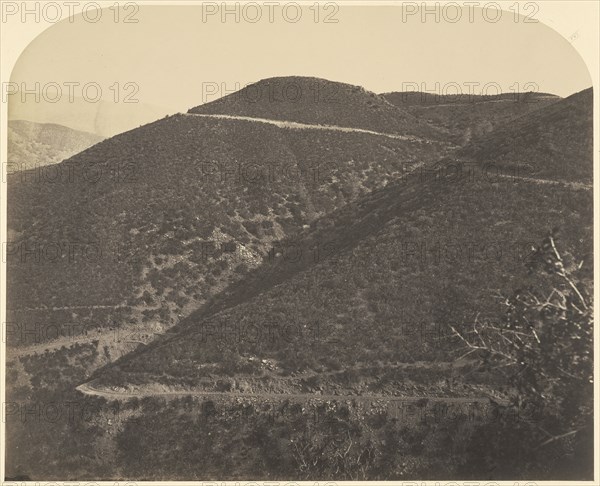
pixel 298 243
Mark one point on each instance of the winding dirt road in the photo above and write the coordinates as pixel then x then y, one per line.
pixel 88 389
pixel 308 126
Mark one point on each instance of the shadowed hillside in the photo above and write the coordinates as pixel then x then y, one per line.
pixel 554 142
pixel 407 257
pixel 466 117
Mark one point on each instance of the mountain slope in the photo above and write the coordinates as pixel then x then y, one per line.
pixel 146 225
pixel 418 260
pixel 467 117
pixel 427 251
pixel 336 342
pixel 319 102
pixel 33 144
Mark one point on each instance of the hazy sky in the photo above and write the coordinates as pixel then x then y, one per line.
pixel 171 53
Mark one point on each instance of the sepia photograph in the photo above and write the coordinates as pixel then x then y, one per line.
pixel 307 242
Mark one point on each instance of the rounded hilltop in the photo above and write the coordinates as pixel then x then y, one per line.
pixel 319 102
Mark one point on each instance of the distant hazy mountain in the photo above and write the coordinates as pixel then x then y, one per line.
pixel 104 118
pixel 33 144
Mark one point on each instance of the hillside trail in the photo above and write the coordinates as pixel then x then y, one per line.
pixel 476 102
pixel 308 126
pixel 69 307
pixel 104 337
pixel 18 352
pixel 578 186
pixel 67 342
pixel 89 390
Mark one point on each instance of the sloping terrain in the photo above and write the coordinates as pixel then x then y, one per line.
pixel 327 355
pixel 143 227
pixel 466 117
pixel 374 287
pixel 33 144
pixel 551 143
pixel 139 230
pixel 333 358
pixel 430 250
pixel 319 102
